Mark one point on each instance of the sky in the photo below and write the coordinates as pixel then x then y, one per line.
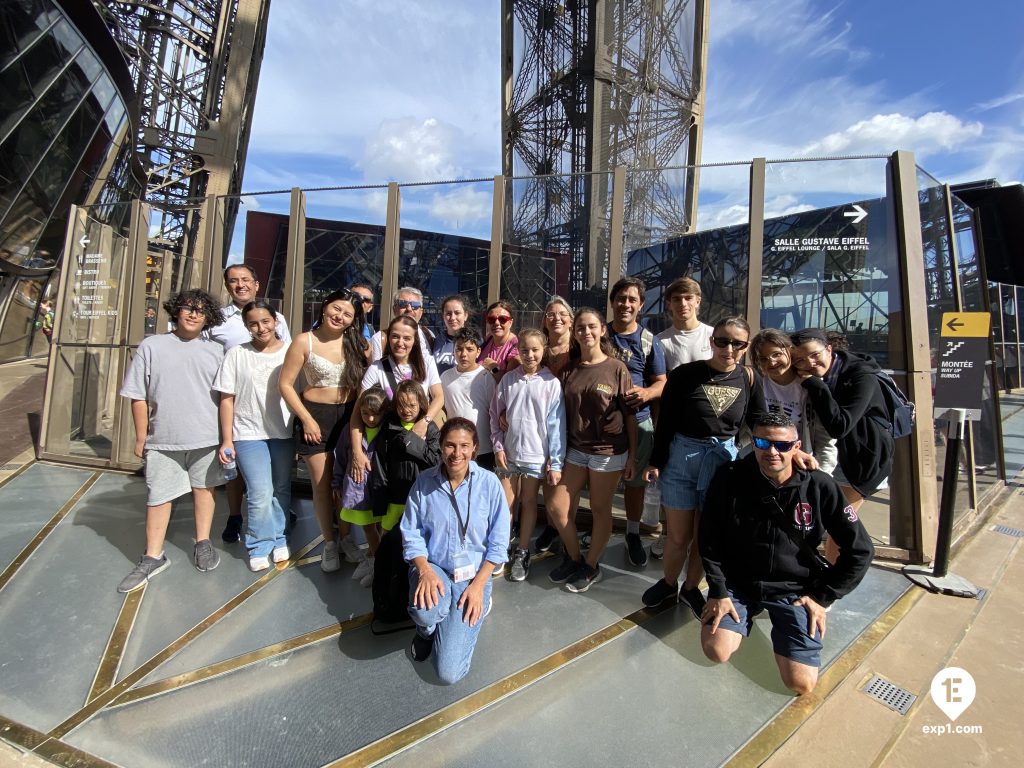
pixel 367 91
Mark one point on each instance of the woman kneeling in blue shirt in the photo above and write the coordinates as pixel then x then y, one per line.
pixel 455 531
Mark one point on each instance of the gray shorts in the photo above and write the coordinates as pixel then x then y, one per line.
pixel 170 474
pixel 614 463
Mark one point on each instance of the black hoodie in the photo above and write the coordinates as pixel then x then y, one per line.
pixel 743 544
pixel 850 406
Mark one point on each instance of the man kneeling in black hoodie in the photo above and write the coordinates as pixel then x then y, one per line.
pixel 763 521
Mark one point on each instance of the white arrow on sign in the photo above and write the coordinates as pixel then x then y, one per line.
pixel 857 214
pixel 84 241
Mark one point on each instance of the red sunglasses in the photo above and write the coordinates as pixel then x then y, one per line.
pixel 503 319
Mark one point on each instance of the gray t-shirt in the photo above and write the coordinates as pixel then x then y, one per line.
pixel 176 378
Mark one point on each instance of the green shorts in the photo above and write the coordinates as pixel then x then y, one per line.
pixel 644 446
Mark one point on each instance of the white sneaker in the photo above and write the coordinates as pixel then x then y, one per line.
pixel 658 548
pixel 367 580
pixel 257 564
pixel 281 554
pixel 329 561
pixel 353 554
pixel 365 567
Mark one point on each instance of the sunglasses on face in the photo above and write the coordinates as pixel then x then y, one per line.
pixel 359 298
pixel 722 342
pixel 782 446
pixel 193 309
pixel 407 304
pixel 503 319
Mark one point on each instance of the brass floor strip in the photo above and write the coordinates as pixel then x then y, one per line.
pixel 238 662
pixel 114 692
pixel 782 727
pixel 19 471
pixel 46 530
pixel 110 661
pixel 64 754
pixel 20 735
pixel 230 665
pixel 422 729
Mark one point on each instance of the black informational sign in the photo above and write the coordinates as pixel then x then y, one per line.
pixel 962 352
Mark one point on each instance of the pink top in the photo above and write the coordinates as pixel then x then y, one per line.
pixel 506 356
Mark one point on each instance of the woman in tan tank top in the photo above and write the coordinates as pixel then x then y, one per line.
pixel 333 358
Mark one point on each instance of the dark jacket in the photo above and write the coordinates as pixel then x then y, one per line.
pixel 744 545
pixel 399 458
pixel 851 408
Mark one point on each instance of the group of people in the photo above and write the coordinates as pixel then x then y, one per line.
pixel 447 438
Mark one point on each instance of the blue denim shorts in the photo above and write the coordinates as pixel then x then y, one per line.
pixel 515 468
pixel 692 462
pixel 789 626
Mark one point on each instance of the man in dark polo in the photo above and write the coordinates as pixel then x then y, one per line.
pixel 763 521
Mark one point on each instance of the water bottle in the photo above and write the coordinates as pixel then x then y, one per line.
pixel 652 504
pixel 230 469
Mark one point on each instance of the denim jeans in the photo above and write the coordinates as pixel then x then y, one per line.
pixel 454 639
pixel 266 466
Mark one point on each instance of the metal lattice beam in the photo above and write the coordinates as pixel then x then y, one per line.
pixel 195 64
pixel 592 85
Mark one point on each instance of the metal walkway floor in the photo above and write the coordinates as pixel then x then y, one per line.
pixel 234 668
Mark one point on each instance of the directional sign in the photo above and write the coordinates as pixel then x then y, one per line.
pixel 963 349
pixel 857 214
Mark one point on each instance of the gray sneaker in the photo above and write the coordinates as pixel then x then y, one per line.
pixel 205 556
pixel 147 568
pixel 658 547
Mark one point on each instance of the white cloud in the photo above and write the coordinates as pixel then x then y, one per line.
pixel 1001 101
pixel 464 206
pixel 408 149
pixel 883 133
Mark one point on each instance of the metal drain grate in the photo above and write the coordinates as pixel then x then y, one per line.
pixel 1008 531
pixel 895 698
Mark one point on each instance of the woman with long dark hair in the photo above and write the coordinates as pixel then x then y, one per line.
pixel 332 357
pixel 704 404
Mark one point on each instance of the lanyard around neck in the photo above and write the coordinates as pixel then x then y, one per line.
pixel 463 524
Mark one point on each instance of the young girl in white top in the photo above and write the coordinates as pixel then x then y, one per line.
pixel 528 432
pixel 256 428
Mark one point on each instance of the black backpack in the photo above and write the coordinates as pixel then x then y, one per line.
pixel 390 584
pixel 901 410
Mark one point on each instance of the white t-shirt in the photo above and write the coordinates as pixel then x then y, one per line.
pixel 377 345
pixel 375 375
pixel 469 395
pixel 787 399
pixel 233 332
pixel 253 377
pixel 685 346
pixel 175 378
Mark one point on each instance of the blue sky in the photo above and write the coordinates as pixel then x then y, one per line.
pixel 367 91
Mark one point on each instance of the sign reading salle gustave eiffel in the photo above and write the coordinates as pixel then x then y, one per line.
pixel 961 364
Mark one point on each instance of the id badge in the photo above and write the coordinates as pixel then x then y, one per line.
pixel 464 568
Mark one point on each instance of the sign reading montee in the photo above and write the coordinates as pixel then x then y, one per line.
pixel 961 365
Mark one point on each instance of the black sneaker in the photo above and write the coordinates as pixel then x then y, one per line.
pixel 547 540
pixel 232 532
pixel 693 598
pixel 585 577
pixel 520 565
pixel 635 550
pixel 565 571
pixel 660 593
pixel 421 647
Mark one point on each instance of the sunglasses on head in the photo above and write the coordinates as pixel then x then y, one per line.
pixel 503 319
pixel 782 446
pixel 407 304
pixel 723 341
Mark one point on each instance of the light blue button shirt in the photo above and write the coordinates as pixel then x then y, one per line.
pixel 430 526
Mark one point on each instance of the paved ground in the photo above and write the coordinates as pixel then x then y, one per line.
pixel 838 724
